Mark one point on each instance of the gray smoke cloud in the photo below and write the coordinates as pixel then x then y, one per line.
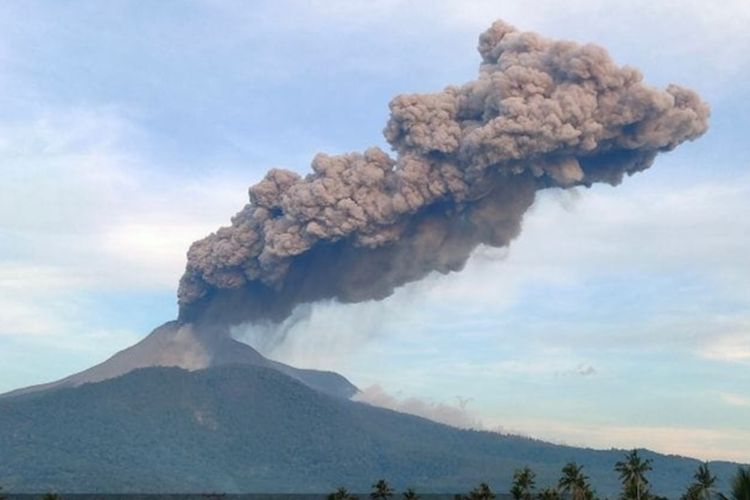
pixel 469 160
pixel 456 415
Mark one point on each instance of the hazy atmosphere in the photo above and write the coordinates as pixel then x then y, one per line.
pixel 617 317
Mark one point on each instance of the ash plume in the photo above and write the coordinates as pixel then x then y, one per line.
pixel 468 162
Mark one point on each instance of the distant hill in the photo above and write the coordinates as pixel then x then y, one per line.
pixel 249 428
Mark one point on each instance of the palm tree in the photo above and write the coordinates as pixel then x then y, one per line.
pixel 381 491
pixel 523 484
pixel 703 486
pixel 692 493
pixel 410 494
pixel 740 486
pixel 549 494
pixel 2 497
pixel 574 483
pixel 482 492
pixel 341 494
pixel 633 476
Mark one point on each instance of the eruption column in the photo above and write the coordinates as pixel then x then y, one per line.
pixel 469 160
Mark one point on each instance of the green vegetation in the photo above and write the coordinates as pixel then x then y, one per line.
pixel 410 494
pixel 481 492
pixel 574 485
pixel 381 491
pixel 740 488
pixel 523 484
pixel 549 494
pixel 632 472
pixel 251 429
pixel 703 486
pixel 341 494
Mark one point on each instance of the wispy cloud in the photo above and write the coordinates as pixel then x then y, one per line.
pixel 455 414
pixel 736 399
pixel 80 204
pixel 82 217
pixel 705 443
pixel 731 347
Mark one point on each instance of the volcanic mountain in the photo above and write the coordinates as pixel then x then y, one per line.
pixel 194 346
pixel 240 428
pixel 190 409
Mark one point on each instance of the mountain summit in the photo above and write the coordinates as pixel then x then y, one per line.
pixel 194 346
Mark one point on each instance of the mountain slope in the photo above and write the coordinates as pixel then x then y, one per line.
pixel 247 428
pixel 193 346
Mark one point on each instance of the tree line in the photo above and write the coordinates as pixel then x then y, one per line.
pixel 572 485
pixel 575 485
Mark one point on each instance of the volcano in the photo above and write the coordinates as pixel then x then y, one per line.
pixel 194 346
pixel 248 428
pixel 191 409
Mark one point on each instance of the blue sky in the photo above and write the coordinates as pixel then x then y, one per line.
pixel 620 317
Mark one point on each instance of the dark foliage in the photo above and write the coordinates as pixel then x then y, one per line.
pixel 740 486
pixel 251 429
pixel 632 472
pixel 523 484
pixel 381 490
pixel 341 494
pixel 410 494
pixel 481 492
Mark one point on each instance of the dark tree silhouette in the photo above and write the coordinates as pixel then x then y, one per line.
pixel 523 484
pixel 481 492
pixel 549 494
pixel 740 487
pixel 381 491
pixel 703 486
pixel 632 472
pixel 574 484
pixel 341 494
pixel 410 494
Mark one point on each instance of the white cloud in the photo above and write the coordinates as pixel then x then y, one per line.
pixel 736 399
pixel 731 347
pixel 456 415
pixel 704 44
pixel 645 227
pixel 81 213
pixel 36 300
pixel 77 201
pixel 640 233
pixel 25 317
pixel 706 443
pixel 702 442
pixel 553 363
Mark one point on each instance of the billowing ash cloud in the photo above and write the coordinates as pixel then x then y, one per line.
pixel 469 160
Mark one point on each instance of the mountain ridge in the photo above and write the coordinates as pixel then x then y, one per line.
pixel 240 428
pixel 192 346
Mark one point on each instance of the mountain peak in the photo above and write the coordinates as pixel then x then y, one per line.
pixel 194 346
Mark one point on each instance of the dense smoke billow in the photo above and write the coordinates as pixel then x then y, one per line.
pixel 469 160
